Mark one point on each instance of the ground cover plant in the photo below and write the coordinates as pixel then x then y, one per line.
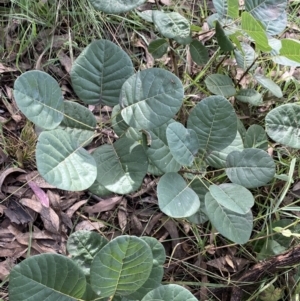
pixel 208 165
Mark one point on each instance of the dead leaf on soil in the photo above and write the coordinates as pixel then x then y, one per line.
pixel 49 217
pixel 5 267
pixel 35 177
pixel 88 225
pixel 17 214
pixel 65 61
pixel 4 174
pixel 122 215
pixel 104 205
pixel 39 193
pixel 228 263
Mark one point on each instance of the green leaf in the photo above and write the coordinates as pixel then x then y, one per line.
pixel 213 119
pixel 217 159
pixel 269 84
pixel 46 277
pixel 175 198
pixel 249 96
pixel 117 6
pixel 250 168
pixel 83 247
pixel 234 226
pixel 199 53
pixel 170 292
pixel 233 8
pixel 121 128
pixel 122 266
pixel 158 48
pixel 277 26
pixel 78 122
pixel 171 25
pixel 223 41
pixel 290 49
pixel 40 99
pixel 99 189
pixel 63 163
pixel 150 98
pixel 157 272
pixel 232 197
pixel 183 143
pixel 221 7
pixel 159 153
pixel 283 125
pixel 254 29
pixel 220 84
pixel 99 72
pixel 151 283
pixel 279 59
pixel 256 137
pixel 246 57
pixel 265 10
pixel 200 186
pixel 121 166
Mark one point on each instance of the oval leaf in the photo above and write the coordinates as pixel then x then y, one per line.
pixel 171 25
pixel 175 198
pixel 121 267
pixel 158 48
pixel 250 168
pixel 217 159
pixel 46 277
pixel 246 57
pixel 63 163
pixel 255 30
pixel 290 49
pixel 116 6
pixel 223 41
pixel 121 166
pixel 183 143
pixel 83 247
pixel 265 10
pixel 220 84
pixel 234 226
pixel 78 122
pixel 99 72
pixel 232 197
pixel 250 96
pixel 213 119
pixel 40 99
pixel 199 52
pixel 170 292
pixel 283 125
pixel 256 137
pixel 150 98
pixel 269 84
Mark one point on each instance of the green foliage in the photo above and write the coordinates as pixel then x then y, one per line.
pixel 127 266
pixel 147 116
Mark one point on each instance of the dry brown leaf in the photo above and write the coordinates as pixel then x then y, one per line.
pixel 49 217
pixel 35 177
pixel 4 174
pixel 104 205
pixel 153 222
pixel 5 267
pixel 65 61
pixel 4 68
pixel 75 207
pixel 17 214
pixel 136 225
pixel 87 225
pixel 122 215
pixel 171 227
